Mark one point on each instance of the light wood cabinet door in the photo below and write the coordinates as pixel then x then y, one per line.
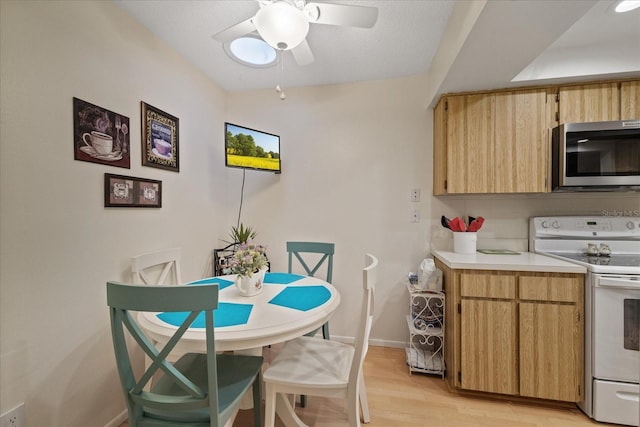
pixel 470 143
pixel 550 351
pixel 440 148
pixel 596 102
pixel 630 100
pixel 488 345
pixel 451 324
pixel 521 142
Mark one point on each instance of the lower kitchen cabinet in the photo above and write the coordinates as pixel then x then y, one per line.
pixel 515 333
pixel 548 352
pixel 488 336
pixel 551 336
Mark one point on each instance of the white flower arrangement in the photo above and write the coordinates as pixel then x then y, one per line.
pixel 248 259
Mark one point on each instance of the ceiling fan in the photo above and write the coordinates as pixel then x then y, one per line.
pixel 284 24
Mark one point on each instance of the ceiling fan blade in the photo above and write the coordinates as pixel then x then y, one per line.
pixel 235 31
pixel 302 54
pixel 342 14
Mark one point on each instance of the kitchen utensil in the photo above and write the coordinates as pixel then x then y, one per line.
pixel 476 224
pixel 456 224
pixel 445 222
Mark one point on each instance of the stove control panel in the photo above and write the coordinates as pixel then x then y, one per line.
pixel 585 227
pixel 593 225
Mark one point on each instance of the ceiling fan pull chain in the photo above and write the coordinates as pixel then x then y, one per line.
pixel 280 76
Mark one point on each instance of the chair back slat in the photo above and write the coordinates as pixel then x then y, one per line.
pixel 157 268
pixel 299 249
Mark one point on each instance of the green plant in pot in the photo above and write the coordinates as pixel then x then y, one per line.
pixel 242 234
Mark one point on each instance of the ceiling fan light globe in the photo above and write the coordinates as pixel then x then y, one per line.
pixel 627 5
pixel 281 25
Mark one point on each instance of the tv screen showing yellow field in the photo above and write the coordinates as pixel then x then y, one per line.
pixel 252 149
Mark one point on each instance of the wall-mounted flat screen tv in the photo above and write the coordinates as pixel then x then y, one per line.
pixel 251 149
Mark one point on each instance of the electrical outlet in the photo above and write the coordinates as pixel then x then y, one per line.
pixel 415 215
pixel 14 418
pixel 415 195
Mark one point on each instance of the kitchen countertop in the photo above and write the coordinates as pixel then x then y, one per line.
pixel 525 261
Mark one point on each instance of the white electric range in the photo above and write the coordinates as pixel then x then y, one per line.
pixel 609 247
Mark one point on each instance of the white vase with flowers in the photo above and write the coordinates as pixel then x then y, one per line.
pixel 249 263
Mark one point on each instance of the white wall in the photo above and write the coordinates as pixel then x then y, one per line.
pixel 59 245
pixel 350 156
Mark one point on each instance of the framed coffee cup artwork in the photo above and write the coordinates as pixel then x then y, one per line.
pixel 160 138
pixel 100 135
pixel 131 192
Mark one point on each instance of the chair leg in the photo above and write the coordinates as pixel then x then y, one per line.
pixel 325 331
pixel 303 401
pixel 257 401
pixel 353 410
pixel 364 405
pixel 270 406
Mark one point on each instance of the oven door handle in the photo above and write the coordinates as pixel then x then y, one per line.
pixel 619 282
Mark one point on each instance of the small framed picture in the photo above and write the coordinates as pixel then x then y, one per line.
pixel 99 135
pixel 160 138
pixel 130 192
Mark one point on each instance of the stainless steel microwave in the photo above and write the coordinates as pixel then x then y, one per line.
pixel 596 156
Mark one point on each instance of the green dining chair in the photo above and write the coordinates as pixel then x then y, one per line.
pixel 197 390
pixel 317 254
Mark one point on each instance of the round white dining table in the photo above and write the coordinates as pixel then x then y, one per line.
pixel 289 306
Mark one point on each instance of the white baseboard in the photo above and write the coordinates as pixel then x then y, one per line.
pixel 118 420
pixel 372 342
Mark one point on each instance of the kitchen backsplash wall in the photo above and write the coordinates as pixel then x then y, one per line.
pixel 507 216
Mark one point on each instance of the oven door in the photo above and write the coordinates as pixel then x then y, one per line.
pixel 616 328
pixel 616 349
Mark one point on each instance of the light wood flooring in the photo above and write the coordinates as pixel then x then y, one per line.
pixel 399 399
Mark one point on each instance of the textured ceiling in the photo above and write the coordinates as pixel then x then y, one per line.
pixel 555 41
pixel 402 42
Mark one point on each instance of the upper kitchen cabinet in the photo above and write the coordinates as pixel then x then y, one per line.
pixel 469 143
pixel 492 143
pixel 596 102
pixel 630 100
pixel 522 142
pixel 440 148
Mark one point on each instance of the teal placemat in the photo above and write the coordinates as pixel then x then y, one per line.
pixel 302 298
pixel 227 314
pixel 281 278
pixel 222 282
